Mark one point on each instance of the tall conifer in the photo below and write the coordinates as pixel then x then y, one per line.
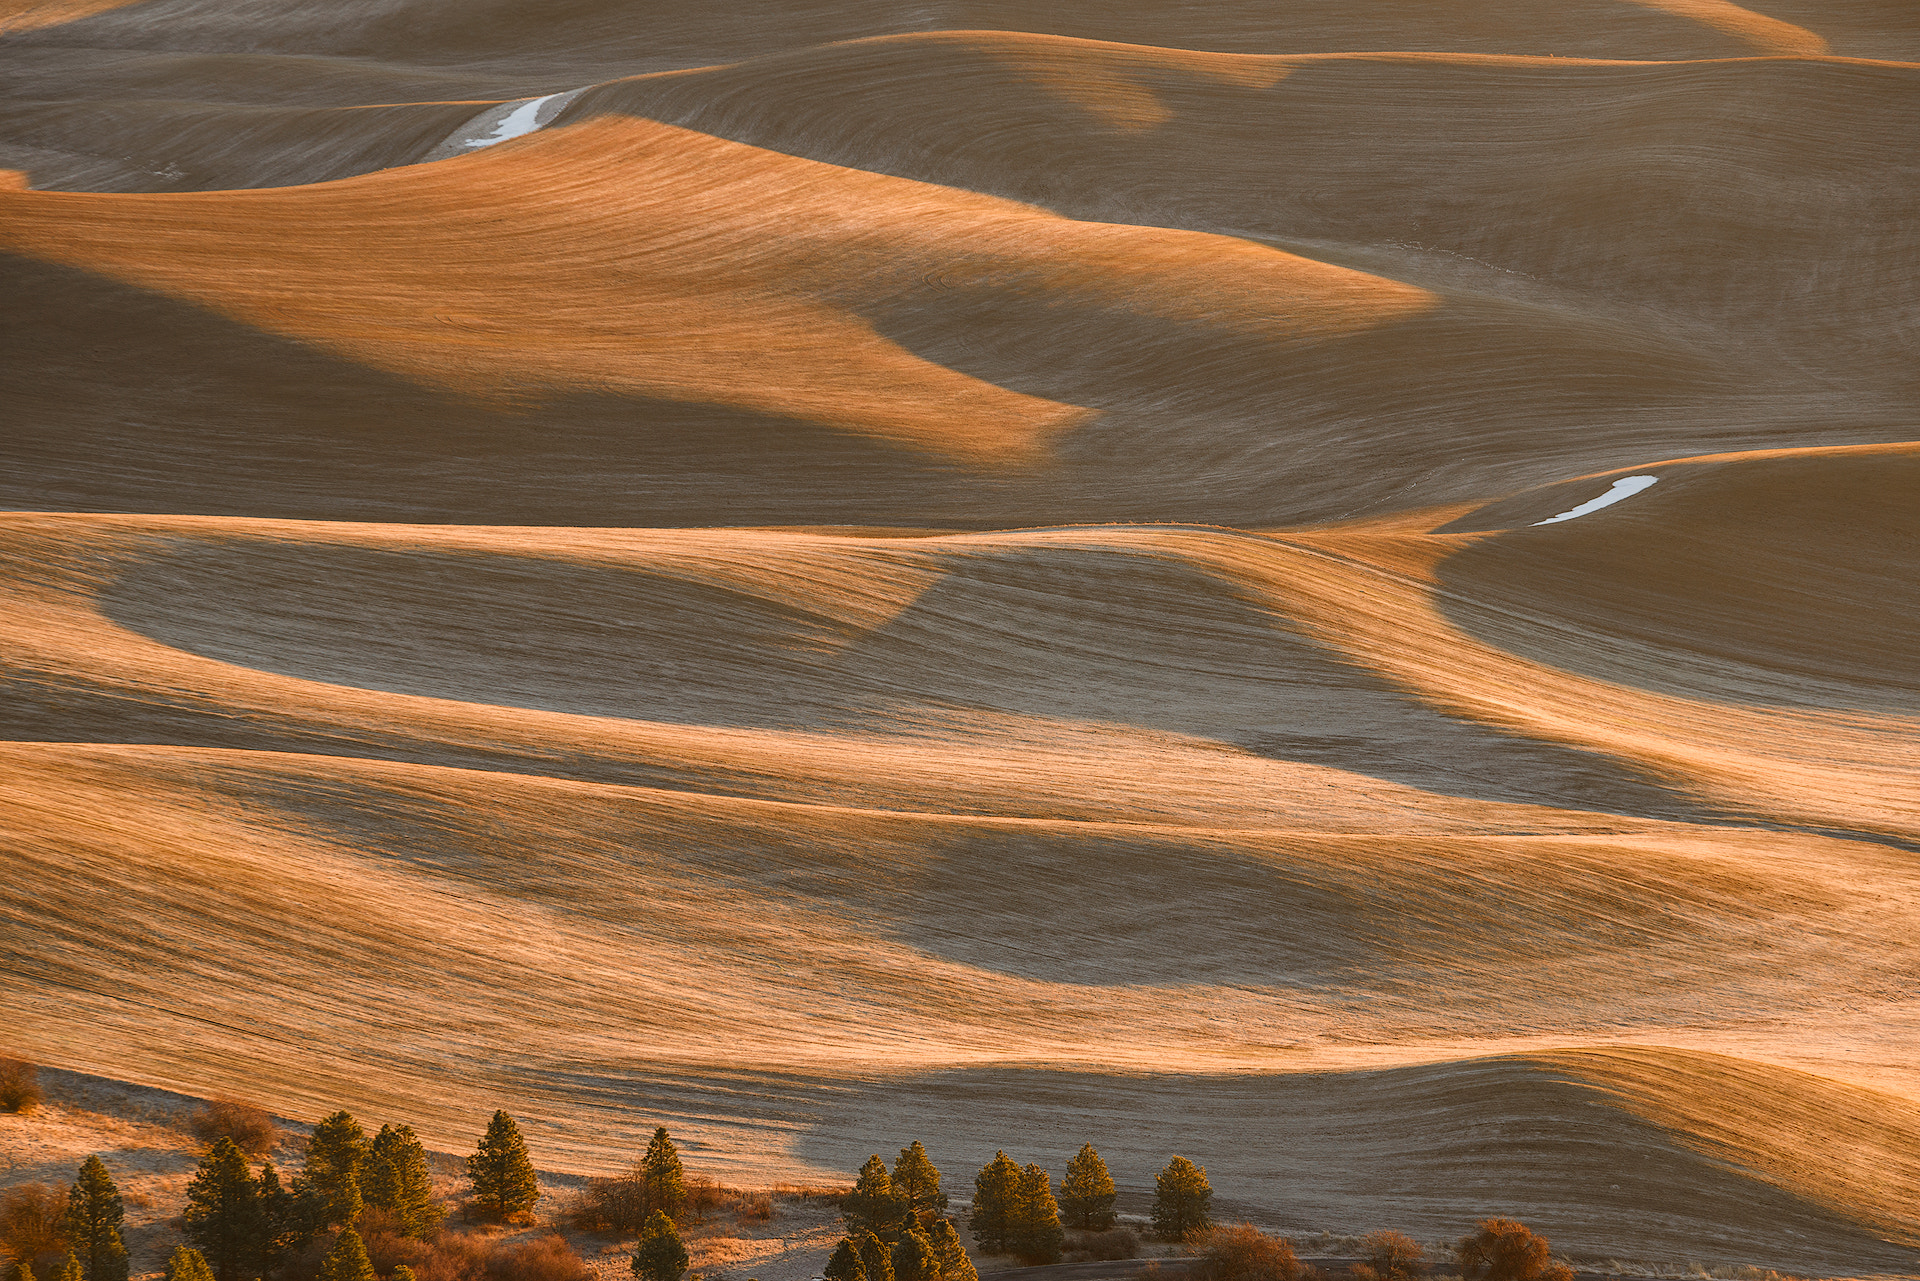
pixel 286 1222
pixel 952 1252
pixel 995 1190
pixel 502 1173
pixel 845 1264
pixel 95 1215
pixel 917 1183
pixel 1087 1194
pixel 876 1259
pixel 397 1180
pixel 347 1260
pixel 873 1205
pixel 331 1180
pixel 1033 1230
pixel 661 1255
pixel 69 1269
pixel 914 1258
pixel 223 1213
pixel 187 1264
pixel 661 1176
pixel 1180 1201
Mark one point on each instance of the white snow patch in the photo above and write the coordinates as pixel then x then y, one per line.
pixel 524 118
pixel 1625 487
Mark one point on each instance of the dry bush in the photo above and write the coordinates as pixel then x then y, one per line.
pixel 617 1204
pixel 753 1207
pixel 1245 1253
pixel 545 1258
pixel 1108 1246
pixel 250 1128
pixel 19 1085
pixel 1507 1250
pixel 704 1197
pixel 33 1223
pixel 1391 1256
pixel 387 1242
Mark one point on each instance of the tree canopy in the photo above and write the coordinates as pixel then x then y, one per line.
pixel 914 1258
pixel 501 1171
pixel 917 1184
pixel 1087 1194
pixel 954 1263
pixel 873 1205
pixel 223 1212
pixel 330 1183
pixel 661 1176
pixel 845 1264
pixel 661 1255
pixel 1181 1199
pixel 1033 1227
pixel 95 1217
pixel 187 1264
pixel 397 1180
pixel 347 1260
pixel 995 1189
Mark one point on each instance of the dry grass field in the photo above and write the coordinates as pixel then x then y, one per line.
pixel 1332 587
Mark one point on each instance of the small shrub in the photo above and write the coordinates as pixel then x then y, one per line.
pixel 1108 1246
pixel 753 1207
pixel 33 1224
pixel 543 1259
pixel 1245 1253
pixel 388 1243
pixel 1391 1256
pixel 704 1197
pixel 19 1085
pixel 250 1128
pixel 1505 1250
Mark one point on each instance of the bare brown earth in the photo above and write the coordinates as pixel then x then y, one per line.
pixel 973 573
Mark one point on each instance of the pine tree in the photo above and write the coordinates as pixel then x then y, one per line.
pixel 1087 1195
pixel 223 1212
pixel 845 1264
pixel 663 1181
pixel 914 1258
pixel 661 1256
pixel 401 1272
pixel 876 1260
pixel 917 1183
pixel 1033 1225
pixel 502 1173
pixel 331 1181
pixel 873 1205
pixel 286 1222
pixel 954 1263
pixel 398 1181
pixel 1180 1200
pixel 348 1261
pixel 69 1269
pixel 95 1215
pixel 188 1264
pixel 995 1189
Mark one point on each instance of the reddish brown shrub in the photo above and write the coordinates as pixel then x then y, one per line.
pixel 1245 1253
pixel 33 1224
pixel 387 1242
pixel 250 1128
pixel 705 1198
pixel 1504 1250
pixel 19 1085
pixel 543 1259
pixel 1391 1256
pixel 753 1207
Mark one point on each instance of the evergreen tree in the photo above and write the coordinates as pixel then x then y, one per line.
pixel 1180 1200
pixel 331 1181
pixel 994 1192
pixel 348 1261
pixel 223 1213
pixel 401 1272
pixel 1087 1195
pixel 69 1269
pixel 873 1205
pixel 917 1183
pixel 502 1173
pixel 1033 1225
pixel 952 1252
pixel 286 1222
pixel 914 1258
pixel 876 1260
pixel 398 1181
pixel 95 1216
pixel 845 1264
pixel 188 1264
pixel 661 1256
pixel 663 1182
